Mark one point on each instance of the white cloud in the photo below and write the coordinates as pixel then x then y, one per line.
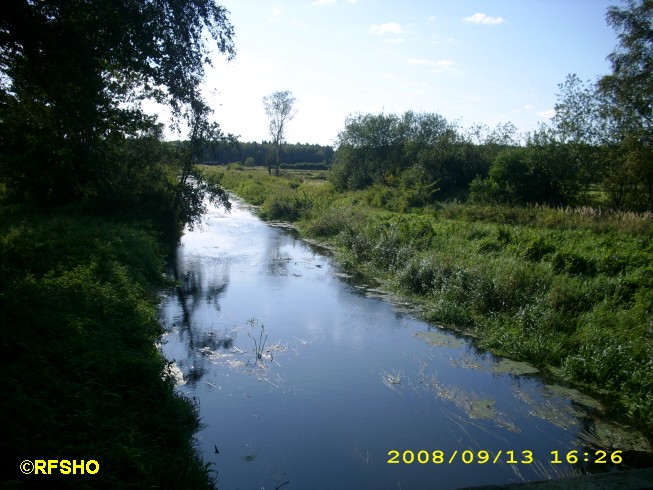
pixel 390 27
pixel 394 40
pixel 323 2
pixel 480 18
pixel 547 114
pixel 419 61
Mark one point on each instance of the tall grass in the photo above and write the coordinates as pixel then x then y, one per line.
pixel 569 289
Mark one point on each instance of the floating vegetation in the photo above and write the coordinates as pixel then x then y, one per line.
pixel 569 409
pixel 466 361
pixel 235 363
pixel 558 414
pixel 376 293
pixel 574 395
pixel 482 409
pixel 552 409
pixel 342 275
pixel 603 434
pixel 516 368
pixel 391 380
pixel 440 339
pixel 256 361
pixel 474 406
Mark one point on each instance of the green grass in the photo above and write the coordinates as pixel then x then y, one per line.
pixel 569 289
pixel 82 377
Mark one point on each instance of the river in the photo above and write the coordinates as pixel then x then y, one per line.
pixel 308 379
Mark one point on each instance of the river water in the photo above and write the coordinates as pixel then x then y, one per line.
pixel 306 379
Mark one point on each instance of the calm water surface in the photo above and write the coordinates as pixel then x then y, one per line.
pixel 344 377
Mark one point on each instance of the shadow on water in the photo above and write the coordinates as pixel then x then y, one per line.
pixel 308 377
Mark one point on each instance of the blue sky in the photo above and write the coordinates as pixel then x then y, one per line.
pixel 472 61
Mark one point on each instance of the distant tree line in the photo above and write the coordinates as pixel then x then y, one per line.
pixel 261 154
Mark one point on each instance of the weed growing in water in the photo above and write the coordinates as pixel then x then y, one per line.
pixel 259 346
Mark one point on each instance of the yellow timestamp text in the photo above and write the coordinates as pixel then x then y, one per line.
pixel 507 457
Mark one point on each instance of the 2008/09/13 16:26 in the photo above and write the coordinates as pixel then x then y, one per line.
pixel 509 457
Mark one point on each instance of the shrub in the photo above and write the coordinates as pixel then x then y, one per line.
pixel 573 263
pixel 537 248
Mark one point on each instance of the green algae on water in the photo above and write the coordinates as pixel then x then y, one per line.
pixel 440 339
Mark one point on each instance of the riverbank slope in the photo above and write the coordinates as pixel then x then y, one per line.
pixel 82 376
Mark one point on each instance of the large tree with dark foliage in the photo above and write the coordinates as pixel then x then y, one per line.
pixel 73 75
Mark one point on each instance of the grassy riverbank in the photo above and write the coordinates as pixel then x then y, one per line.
pixel 570 290
pixel 82 377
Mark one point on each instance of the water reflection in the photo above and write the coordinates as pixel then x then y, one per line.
pixel 308 379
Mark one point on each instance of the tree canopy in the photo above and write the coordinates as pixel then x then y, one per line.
pixel 74 74
pixel 613 117
pixel 420 152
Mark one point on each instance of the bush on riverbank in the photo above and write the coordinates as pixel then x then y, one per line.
pixel 82 377
pixel 567 289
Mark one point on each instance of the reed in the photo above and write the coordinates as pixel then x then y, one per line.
pixel 259 347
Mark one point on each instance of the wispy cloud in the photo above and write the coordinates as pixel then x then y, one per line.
pixel 547 114
pixel 480 18
pixel 390 27
pixel 435 39
pixel 323 2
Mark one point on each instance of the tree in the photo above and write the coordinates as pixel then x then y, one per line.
pixel 629 95
pixel 545 171
pixel 73 75
pixel 609 124
pixel 379 148
pixel 629 88
pixel 280 110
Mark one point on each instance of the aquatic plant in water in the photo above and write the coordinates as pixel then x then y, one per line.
pixel 260 345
